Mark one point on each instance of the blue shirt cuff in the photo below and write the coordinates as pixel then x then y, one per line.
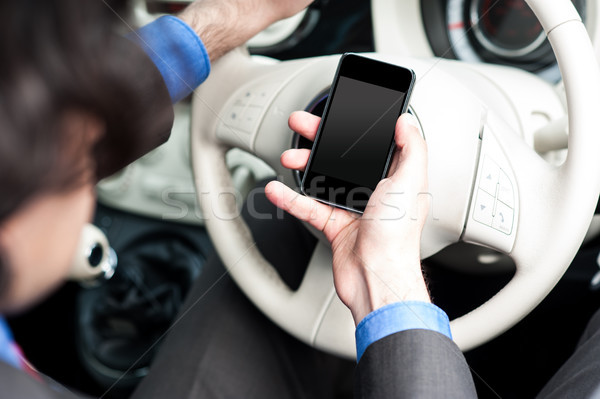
pixel 399 316
pixel 177 52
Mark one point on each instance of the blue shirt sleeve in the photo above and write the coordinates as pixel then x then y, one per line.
pixel 399 316
pixel 177 52
pixel 8 351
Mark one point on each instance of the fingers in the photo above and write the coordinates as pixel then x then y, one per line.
pixel 304 124
pixel 408 172
pixel 295 159
pixel 303 208
pixel 407 187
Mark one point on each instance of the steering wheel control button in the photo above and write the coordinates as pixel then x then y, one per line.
pixel 489 176
pixel 234 116
pixel 505 190
pixel 245 98
pixel 495 198
pixel 484 206
pixel 503 219
pixel 262 94
pixel 261 98
pixel 251 118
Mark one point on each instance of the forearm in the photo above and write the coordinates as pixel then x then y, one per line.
pixel 183 48
pixel 225 24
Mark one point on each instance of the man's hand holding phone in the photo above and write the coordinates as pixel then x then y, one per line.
pixel 376 256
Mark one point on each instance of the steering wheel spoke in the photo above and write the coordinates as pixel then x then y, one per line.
pixel 498 192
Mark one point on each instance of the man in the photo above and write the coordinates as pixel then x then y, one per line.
pixel 79 102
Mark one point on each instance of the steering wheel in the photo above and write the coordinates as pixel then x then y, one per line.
pixel 487 185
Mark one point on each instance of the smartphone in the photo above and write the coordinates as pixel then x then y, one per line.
pixel 355 140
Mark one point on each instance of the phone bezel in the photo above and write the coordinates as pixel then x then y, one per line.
pixel 370 71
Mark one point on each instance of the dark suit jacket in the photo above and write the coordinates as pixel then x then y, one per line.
pixel 409 364
pixel 414 364
pixel 425 364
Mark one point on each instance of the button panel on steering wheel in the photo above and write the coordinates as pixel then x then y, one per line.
pixel 495 197
pixel 493 213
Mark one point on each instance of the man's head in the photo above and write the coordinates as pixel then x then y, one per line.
pixel 75 106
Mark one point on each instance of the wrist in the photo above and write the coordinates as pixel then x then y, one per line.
pixel 384 286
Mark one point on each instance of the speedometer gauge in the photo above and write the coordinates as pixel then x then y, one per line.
pixel 507 28
pixel 504 32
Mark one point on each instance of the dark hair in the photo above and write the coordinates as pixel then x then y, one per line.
pixel 64 55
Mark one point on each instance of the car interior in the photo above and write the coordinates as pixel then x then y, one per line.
pixel 510 250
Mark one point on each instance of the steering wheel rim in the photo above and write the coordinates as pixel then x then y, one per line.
pixel 313 313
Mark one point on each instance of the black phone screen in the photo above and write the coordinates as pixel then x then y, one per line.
pixel 358 127
pixel 353 146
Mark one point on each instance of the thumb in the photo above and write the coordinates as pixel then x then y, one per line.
pixel 411 150
pixel 406 186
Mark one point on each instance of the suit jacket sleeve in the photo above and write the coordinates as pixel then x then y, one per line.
pixel 136 109
pixel 414 364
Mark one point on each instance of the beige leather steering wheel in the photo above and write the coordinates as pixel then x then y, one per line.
pixel 487 185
